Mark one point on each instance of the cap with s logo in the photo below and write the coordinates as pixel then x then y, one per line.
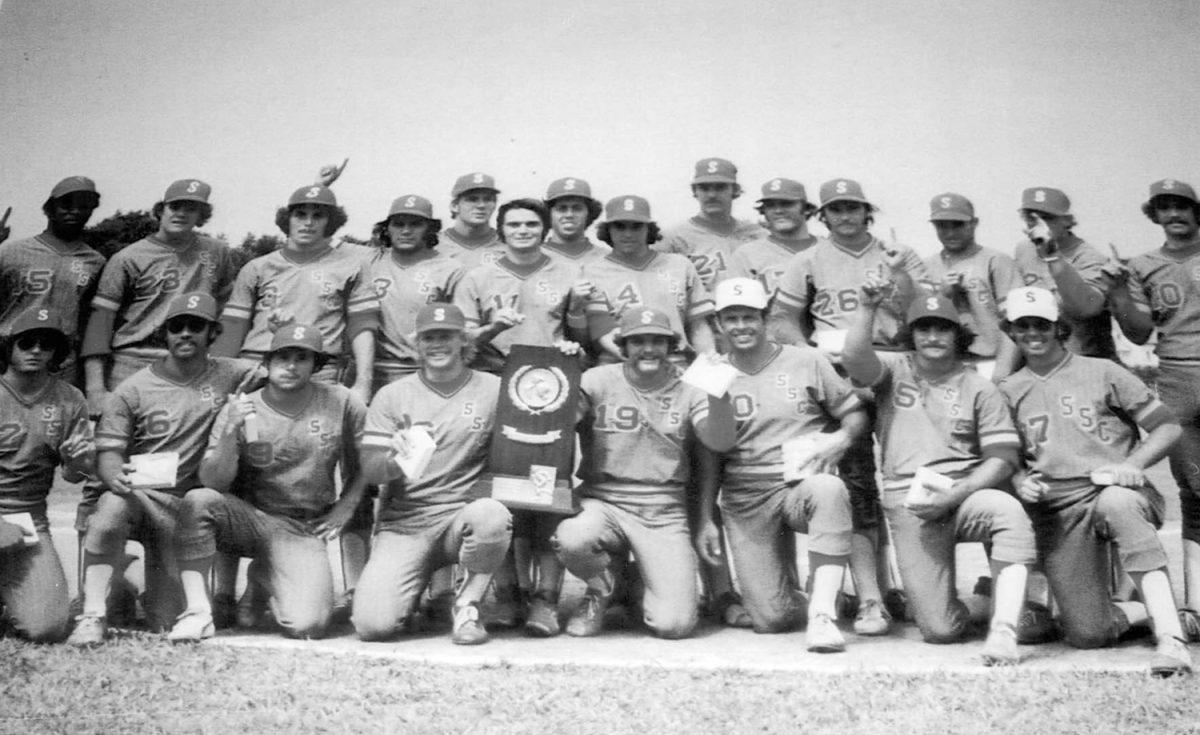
pixel 783 190
pixel 313 194
pixel 740 292
pixel 191 190
pixel 295 334
pixel 1046 200
pixel 412 204
pixel 643 320
pixel 36 318
pixel 951 207
pixel 627 208
pixel 193 303
pixel 933 306
pixel 715 171
pixel 568 187
pixel 842 190
pixel 439 315
pixel 1030 301
pixel 470 181
pixel 1173 188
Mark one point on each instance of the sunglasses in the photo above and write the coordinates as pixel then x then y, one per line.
pixel 192 324
pixel 42 341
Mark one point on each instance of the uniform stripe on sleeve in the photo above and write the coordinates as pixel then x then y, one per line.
pixel 1153 415
pixel 848 404
pixel 787 299
pixel 700 309
pixel 362 306
pixel 238 313
pixel 1001 438
pixel 376 440
pixel 99 302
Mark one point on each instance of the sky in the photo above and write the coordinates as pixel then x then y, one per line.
pixel 911 99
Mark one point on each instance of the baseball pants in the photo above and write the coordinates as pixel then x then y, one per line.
pixel 1178 387
pixel 33 589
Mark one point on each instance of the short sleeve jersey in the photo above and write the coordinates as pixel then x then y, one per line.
pixel 987 277
pixel 709 248
pixel 44 272
pixel 471 253
pixel 797 392
pixel 149 412
pixel 666 282
pixel 825 280
pixel 950 423
pixel 140 281
pixel 31 434
pixel 765 258
pixel 1092 336
pixel 540 292
pixel 1166 284
pixel 460 419
pixel 636 443
pixel 289 471
pixel 1082 414
pixel 402 290
pixel 327 289
pixel 592 251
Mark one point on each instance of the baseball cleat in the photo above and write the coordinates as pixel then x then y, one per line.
pixel 505 611
pixel 1171 657
pixel 730 612
pixel 224 611
pixel 89 631
pixel 541 617
pixel 468 631
pixel 872 619
pixel 588 618
pixel 1036 624
pixel 823 636
pixel 895 601
pixel 1000 648
pixel 1189 621
pixel 192 627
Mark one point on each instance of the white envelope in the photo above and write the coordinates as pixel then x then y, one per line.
pixel 421 446
pixel 25 522
pixel 712 377
pixel 831 341
pixel 154 471
pixel 925 484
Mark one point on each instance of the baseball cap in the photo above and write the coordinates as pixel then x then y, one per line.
pixel 740 292
pixel 1030 301
pixel 1046 200
pixel 439 315
pixel 313 194
pixel 842 190
pixel 304 336
pixel 1172 187
pixel 568 187
pixel 627 208
pixel 467 182
pixel 190 190
pixel 411 204
pixel 33 319
pixel 785 190
pixel 193 303
pixel 951 206
pixel 933 306
pixel 644 320
pixel 715 171
pixel 72 184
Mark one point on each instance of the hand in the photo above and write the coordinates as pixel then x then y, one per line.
pixel 1039 234
pixel 11 535
pixel 120 483
pixel 329 174
pixel 893 258
pixel 1114 274
pixel 936 503
pixel 79 455
pixel 582 290
pixel 567 347
pixel 506 318
pixel 331 525
pixel 1123 474
pixel 278 318
pixel 97 398
pixel 1030 489
pixel 877 288
pixel 830 453
pixel 363 391
pixel 401 445
pixel 953 284
pixel 708 543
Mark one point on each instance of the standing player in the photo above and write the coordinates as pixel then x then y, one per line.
pixel 1086 485
pixel 785 207
pixel 303 430
pixel 1056 259
pixel 1163 293
pixel 168 407
pixel 435 518
pixel 638 423
pixel 572 212
pixel 140 282
pixel 781 394
pixel 43 424
pixel 470 236
pixel 714 234
pixel 935 413
pixel 54 270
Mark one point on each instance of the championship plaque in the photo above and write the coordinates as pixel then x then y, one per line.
pixel 533 444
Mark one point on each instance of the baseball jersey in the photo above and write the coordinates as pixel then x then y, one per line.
pixel 797 392
pixel 588 252
pixel 948 423
pixel 666 282
pixel 635 443
pixel 403 288
pixel 987 277
pixel 1166 284
pixel 1091 336
pixel 708 246
pixel 140 281
pixel 289 471
pixel 539 291
pixel 1083 414
pixel 825 279
pixel 765 259
pixel 330 289
pixel 149 412
pixel 471 252
pixel 459 417
pixel 44 272
pixel 31 433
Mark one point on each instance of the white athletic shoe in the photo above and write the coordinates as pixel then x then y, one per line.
pixel 823 636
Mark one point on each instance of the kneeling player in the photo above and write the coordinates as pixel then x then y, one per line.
pixel 1086 486
pixel 639 420
pixel 936 413
pixel 430 520
pixel 782 394
pixel 280 445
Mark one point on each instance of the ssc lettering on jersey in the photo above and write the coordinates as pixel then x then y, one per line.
pixel 31 435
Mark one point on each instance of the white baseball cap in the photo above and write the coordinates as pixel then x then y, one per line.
pixel 1030 301
pixel 741 292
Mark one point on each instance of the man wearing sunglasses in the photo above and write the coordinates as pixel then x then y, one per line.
pixel 166 408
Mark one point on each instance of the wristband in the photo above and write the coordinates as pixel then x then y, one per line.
pixel 1051 259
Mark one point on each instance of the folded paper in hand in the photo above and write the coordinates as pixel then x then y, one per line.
pixel 712 377
pixel 799 453
pixel 25 522
pixel 831 341
pixel 154 471
pixel 925 484
pixel 420 450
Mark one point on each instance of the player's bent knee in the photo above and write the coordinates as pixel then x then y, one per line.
pixel 305 627
pixel 1087 638
pixel 51 627
pixel 672 626
pixel 828 490
pixel 490 521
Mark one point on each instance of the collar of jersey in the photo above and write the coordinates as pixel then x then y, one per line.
pixel 555 246
pixel 963 255
pixel 470 242
pixel 31 401
pixel 793 246
pixel 262 393
pixel 446 390
pixel 293 256
pixel 613 257
pixel 776 350
pixel 523 271
pixel 873 244
pixel 422 256
pixel 705 224
pixel 155 368
pixel 1061 364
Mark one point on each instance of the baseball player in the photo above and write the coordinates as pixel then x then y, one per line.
pixel 976 279
pixel 1086 486
pixel 139 283
pixel 782 394
pixel 43 424
pixel 301 431
pixel 638 421
pixel 785 207
pixel 55 270
pixel 714 234
pixel 572 212
pixel 434 517
pixel 167 408
pixel 470 236
pixel 1159 291
pixel 934 413
pixel 1056 259
pixel 821 286
pixel 409 274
